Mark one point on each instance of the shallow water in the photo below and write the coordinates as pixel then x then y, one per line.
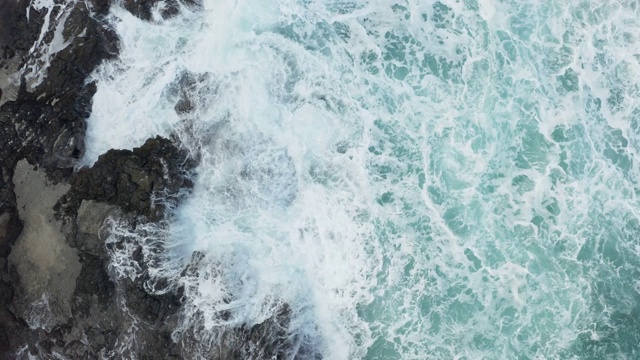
pixel 417 179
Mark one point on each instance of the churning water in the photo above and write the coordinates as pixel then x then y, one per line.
pixel 417 179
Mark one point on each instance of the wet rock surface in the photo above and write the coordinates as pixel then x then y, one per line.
pixel 143 8
pixel 59 298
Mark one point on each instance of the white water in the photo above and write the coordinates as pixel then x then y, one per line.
pixel 424 179
pixel 43 50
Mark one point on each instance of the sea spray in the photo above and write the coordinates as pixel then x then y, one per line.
pixel 448 179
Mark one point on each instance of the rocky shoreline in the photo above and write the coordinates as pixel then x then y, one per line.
pixel 58 298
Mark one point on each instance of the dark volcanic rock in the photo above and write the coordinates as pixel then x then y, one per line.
pixel 142 8
pixel 131 179
pixel 90 42
pixel 267 340
pixel 100 7
pixel 193 90
pixel 16 35
pixel 10 228
pixel 46 124
pixel 94 281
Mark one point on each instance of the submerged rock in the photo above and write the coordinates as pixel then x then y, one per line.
pixel 144 9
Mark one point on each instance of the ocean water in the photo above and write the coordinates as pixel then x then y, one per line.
pixel 415 179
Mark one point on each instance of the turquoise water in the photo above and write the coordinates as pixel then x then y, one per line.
pixel 418 179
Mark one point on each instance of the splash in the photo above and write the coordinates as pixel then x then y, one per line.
pixel 450 179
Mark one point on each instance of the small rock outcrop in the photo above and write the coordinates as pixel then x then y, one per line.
pixel 131 179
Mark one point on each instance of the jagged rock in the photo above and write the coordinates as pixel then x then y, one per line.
pixel 89 222
pixel 46 123
pixel 131 179
pixel 100 7
pixel 46 265
pixel 4 228
pixel 143 8
pixel 90 216
pixel 10 229
pixel 266 340
pixel 16 34
pixel 8 72
pixel 94 281
pixel 89 42
pixel 192 90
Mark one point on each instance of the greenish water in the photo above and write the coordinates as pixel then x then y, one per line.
pixel 418 179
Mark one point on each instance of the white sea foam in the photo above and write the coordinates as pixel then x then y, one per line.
pixel 421 179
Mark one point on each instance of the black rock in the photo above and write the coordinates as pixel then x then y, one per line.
pixel 131 179
pixel 45 125
pixel 142 8
pixel 16 34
